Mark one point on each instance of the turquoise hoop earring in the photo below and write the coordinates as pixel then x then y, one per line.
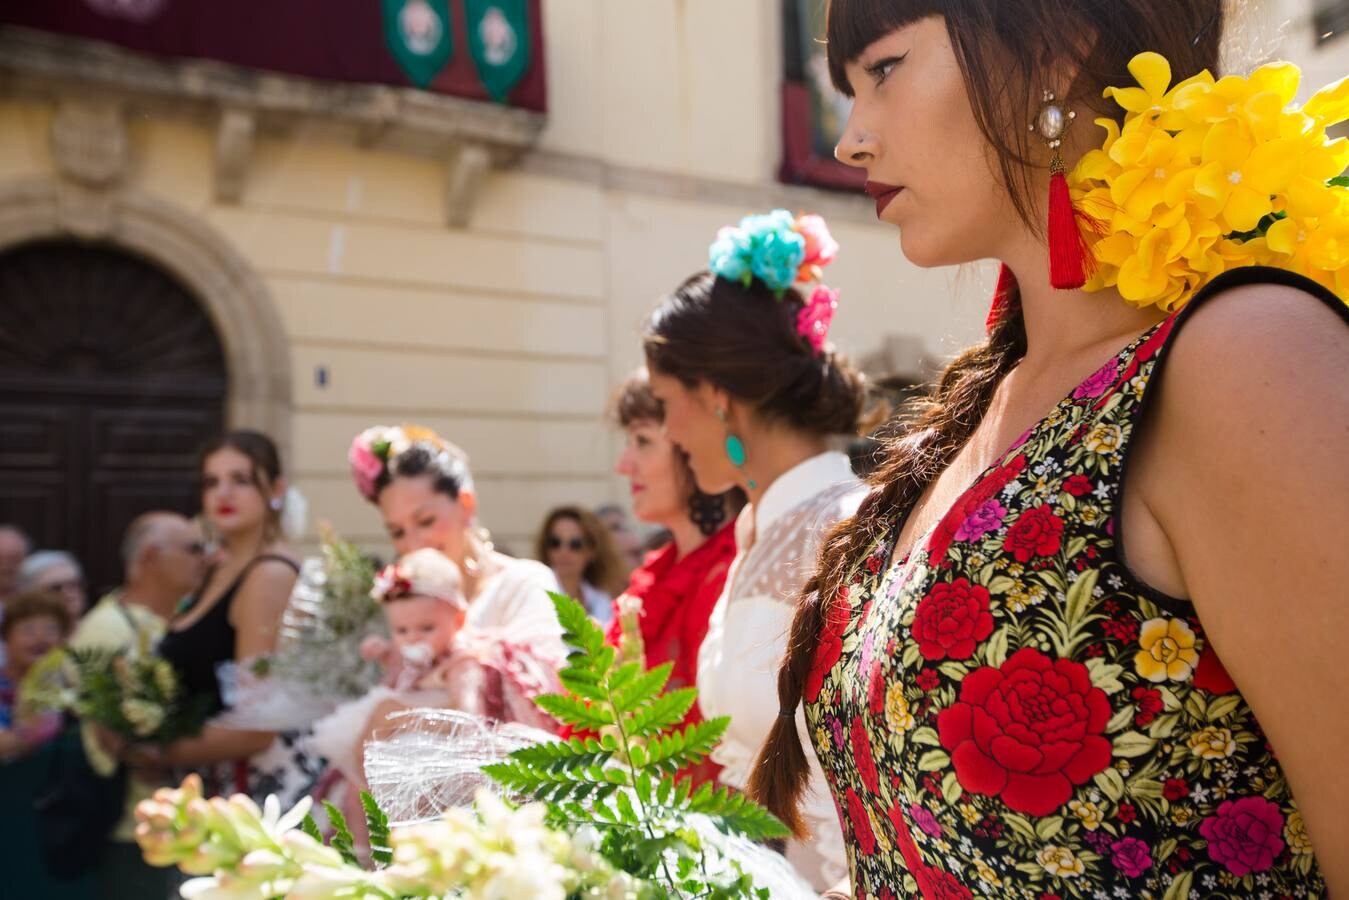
pixel 735 449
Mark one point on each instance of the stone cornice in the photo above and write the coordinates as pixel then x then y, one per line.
pixel 242 102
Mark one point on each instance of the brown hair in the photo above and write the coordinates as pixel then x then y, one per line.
pixel 35 605
pixel 606 570
pixel 745 341
pixel 634 402
pixel 1002 49
pixel 266 461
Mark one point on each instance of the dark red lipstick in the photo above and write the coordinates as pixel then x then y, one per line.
pixel 882 193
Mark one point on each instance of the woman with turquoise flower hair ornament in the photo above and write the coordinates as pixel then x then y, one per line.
pixel 1024 673
pixel 752 393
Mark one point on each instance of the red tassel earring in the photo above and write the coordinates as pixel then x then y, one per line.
pixel 1069 256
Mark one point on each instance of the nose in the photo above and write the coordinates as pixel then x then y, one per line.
pixel 858 146
pixel 624 464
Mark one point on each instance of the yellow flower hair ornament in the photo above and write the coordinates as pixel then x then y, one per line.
pixel 1213 174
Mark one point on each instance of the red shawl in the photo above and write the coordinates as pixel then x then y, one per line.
pixel 677 600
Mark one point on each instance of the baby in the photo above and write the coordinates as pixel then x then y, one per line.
pixel 423 600
pixel 424 604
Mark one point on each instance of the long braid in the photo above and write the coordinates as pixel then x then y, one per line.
pixel 933 435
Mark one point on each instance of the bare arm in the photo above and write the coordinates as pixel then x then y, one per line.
pixel 1250 482
pixel 256 616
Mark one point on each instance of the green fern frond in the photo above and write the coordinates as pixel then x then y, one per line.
pixel 665 711
pixel 378 825
pixel 643 689
pixel 578 629
pixel 342 840
pixel 576 712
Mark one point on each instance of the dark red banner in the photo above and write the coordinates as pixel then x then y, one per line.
pixel 332 40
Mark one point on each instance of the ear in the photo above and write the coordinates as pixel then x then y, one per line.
pixel 712 398
pixel 469 501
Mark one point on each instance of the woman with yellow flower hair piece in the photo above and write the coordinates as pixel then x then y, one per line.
pixel 1140 471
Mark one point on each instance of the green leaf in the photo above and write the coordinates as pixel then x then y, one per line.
pixel 1222 707
pixel 311 828
pixel 664 712
pixel 953 670
pixel 995 651
pixel 933 760
pixel 1180 887
pixel 1120 720
pixel 1001 585
pixel 1131 744
pixel 574 711
pixel 1111 783
pixel 1105 675
pixel 951 790
pixel 926 735
pixel 1339 181
pixel 643 689
pixel 1145 788
pixel 377 824
pixel 1075 547
pixel 1195 706
pixel 1048 829
pixel 1021 825
pixel 342 840
pixel 578 629
pixel 1080 599
pixel 1163 726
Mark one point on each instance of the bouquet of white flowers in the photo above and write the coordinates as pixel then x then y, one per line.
pixel 133 694
pixel 603 815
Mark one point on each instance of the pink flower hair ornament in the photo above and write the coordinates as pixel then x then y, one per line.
pixel 781 251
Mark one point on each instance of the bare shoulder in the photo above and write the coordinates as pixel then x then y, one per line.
pixel 1262 355
pixel 267 584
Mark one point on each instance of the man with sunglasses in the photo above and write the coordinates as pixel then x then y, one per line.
pixel 164 559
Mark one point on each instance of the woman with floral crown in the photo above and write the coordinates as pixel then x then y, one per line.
pixel 1025 674
pixel 752 393
pixel 424 490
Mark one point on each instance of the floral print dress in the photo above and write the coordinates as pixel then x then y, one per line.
pixel 1012 712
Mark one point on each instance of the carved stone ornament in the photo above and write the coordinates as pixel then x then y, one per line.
pixel 90 144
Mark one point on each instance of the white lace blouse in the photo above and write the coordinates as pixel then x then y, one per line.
pixel 747 636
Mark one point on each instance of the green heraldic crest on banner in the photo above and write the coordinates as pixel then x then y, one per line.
pixel 499 42
pixel 420 36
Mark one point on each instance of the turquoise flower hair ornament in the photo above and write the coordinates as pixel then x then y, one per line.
pixel 781 250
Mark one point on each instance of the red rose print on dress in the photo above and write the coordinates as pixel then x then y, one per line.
pixel 861 751
pixel 1149 703
pixel 952 619
pixel 1078 485
pixel 1037 532
pixel 980 493
pixel 831 645
pixel 861 823
pixel 934 884
pixel 1245 835
pixel 1027 732
pixel 1211 675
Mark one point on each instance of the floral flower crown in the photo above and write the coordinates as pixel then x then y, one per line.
pixel 374 450
pixel 781 251
pixel 1212 174
pixel 422 573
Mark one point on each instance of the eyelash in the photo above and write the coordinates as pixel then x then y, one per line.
pixel 882 68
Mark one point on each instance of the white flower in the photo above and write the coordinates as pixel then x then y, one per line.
pixel 145 717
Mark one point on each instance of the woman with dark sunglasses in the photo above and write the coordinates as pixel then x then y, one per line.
pixel 580 551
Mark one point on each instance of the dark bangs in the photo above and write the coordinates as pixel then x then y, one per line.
pixel 853 25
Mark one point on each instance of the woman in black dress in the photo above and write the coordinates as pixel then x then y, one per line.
pixel 235 617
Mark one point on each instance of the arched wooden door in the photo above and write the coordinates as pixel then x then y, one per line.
pixel 111 376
